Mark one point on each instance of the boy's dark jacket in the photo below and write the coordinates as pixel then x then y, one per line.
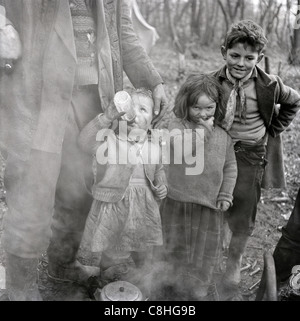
pixel 278 105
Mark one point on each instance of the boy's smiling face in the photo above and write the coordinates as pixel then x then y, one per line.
pixel 241 59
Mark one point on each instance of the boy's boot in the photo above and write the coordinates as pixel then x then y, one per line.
pixel 62 263
pixel 232 277
pixel 22 278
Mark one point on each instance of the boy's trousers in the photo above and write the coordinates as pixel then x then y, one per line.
pixel 251 162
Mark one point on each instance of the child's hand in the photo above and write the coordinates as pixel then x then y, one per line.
pixel 111 112
pixel 161 191
pixel 223 205
pixel 208 124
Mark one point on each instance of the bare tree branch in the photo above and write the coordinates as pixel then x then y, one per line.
pixel 236 8
pixel 183 10
pixel 224 13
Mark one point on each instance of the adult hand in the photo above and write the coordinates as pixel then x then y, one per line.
pixel 160 103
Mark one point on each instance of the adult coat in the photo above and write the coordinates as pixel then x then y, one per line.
pixel 36 97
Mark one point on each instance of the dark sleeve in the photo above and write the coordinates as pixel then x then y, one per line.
pixel 88 136
pixel 289 101
pixel 136 62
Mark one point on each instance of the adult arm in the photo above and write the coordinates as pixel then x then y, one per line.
pixel 138 65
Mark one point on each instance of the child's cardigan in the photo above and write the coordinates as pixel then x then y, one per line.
pixel 113 179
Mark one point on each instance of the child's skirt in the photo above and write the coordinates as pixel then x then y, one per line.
pixel 132 224
pixel 192 237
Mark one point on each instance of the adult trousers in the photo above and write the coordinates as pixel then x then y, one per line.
pixel 49 195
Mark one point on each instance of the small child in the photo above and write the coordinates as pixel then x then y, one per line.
pixel 254 122
pixel 192 213
pixel 124 221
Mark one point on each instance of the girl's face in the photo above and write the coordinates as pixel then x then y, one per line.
pixel 204 109
pixel 143 107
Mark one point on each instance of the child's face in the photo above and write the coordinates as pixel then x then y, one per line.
pixel 143 107
pixel 241 61
pixel 204 109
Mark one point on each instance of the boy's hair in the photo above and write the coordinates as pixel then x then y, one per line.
pixel 195 86
pixel 248 33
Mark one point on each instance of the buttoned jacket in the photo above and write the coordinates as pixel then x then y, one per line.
pixel 114 171
pixel 36 97
pixel 278 105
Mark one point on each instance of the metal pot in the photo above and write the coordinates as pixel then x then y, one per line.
pixel 119 291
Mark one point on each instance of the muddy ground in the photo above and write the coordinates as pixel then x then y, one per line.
pixel 274 208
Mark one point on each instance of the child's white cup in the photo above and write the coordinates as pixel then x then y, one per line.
pixel 123 103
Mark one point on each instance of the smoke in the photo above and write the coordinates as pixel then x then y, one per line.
pixel 157 279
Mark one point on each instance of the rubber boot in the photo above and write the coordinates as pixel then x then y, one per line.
pixel 232 277
pixel 62 263
pixel 22 278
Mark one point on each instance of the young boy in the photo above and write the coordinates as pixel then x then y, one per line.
pixel 259 108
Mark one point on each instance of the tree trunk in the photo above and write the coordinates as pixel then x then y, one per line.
pixel 294 58
pixel 175 39
pixel 242 15
pixel 224 14
pixel 210 21
pixel 199 19
pixel 230 11
pixel 193 17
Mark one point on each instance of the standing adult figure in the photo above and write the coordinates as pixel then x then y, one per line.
pixel 70 65
pixel 287 251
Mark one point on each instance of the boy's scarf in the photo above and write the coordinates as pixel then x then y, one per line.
pixel 236 102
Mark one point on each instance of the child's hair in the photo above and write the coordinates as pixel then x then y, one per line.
pixel 195 86
pixel 138 91
pixel 248 33
pixel 141 91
